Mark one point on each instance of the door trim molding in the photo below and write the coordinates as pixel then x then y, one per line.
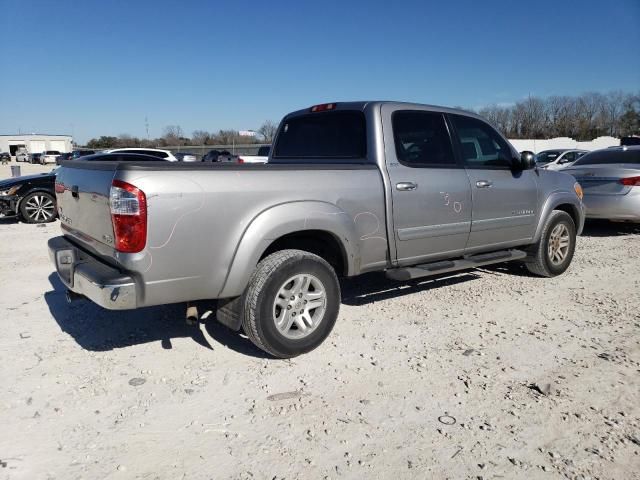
pixel 430 231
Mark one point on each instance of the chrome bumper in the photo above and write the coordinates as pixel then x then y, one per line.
pixel 86 275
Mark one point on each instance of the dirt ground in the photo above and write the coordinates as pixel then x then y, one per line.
pixel 486 374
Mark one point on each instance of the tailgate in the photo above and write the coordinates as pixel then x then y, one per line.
pixel 83 205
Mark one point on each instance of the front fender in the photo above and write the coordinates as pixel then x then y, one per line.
pixel 560 198
pixel 283 219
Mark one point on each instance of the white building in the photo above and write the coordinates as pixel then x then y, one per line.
pixel 36 143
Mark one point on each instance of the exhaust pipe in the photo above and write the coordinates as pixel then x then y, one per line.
pixel 73 296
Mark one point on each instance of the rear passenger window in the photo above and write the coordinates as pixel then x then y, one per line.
pixel 480 145
pixel 422 139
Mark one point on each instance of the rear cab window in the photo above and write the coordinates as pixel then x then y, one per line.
pixel 337 136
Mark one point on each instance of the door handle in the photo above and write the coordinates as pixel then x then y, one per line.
pixel 406 186
pixel 484 183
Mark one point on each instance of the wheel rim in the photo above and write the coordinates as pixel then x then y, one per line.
pixel 40 208
pixel 559 243
pixel 299 306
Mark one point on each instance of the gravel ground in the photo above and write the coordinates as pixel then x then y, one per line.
pixel 486 374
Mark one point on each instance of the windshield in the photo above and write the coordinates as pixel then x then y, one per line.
pixel 547 156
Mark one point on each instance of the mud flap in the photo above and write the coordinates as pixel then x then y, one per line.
pixel 228 312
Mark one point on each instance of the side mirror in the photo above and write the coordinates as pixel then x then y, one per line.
pixel 527 160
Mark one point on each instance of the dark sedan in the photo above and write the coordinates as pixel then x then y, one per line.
pixel 32 198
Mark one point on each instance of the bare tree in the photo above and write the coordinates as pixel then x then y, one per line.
pixel 499 116
pixel 172 135
pixel 268 130
pixel 226 137
pixel 200 137
pixel 585 117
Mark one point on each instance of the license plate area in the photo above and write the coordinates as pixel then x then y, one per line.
pixel 65 264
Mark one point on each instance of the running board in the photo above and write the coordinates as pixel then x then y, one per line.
pixel 446 266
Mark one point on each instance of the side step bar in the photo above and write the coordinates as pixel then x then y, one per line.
pixel 472 261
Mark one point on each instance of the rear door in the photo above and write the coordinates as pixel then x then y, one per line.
pixel 430 191
pixel 504 200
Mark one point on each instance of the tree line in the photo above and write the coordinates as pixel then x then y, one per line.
pixel 583 117
pixel 173 136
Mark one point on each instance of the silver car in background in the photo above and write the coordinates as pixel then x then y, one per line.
pixel 610 180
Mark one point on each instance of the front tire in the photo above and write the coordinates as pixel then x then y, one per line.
pixel 291 303
pixel 38 207
pixel 552 254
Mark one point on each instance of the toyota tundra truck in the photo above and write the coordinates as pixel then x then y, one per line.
pixel 412 190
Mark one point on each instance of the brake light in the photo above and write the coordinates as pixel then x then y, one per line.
pixel 630 181
pixel 323 107
pixel 129 216
pixel 59 187
pixel 240 160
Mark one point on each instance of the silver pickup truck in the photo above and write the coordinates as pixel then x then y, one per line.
pixel 413 190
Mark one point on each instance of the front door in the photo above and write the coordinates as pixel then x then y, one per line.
pixel 430 191
pixel 504 199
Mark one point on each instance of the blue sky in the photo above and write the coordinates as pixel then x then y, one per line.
pixel 98 68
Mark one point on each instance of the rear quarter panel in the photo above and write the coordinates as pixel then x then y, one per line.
pixel 198 221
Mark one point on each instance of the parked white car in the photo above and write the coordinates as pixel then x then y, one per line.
pixel 558 159
pixel 22 155
pixel 186 157
pixel 261 157
pixel 154 152
pixel 49 156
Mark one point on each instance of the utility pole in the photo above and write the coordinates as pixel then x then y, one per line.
pixel 146 126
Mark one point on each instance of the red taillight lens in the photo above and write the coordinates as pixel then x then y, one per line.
pixel 630 181
pixel 59 188
pixel 240 160
pixel 129 215
pixel 323 107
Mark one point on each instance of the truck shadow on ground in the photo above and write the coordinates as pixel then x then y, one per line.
pixel 100 330
pixel 374 287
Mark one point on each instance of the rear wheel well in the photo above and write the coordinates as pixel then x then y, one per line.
pixel 571 210
pixel 318 242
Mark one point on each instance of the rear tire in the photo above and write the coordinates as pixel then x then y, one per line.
pixel 552 254
pixel 291 303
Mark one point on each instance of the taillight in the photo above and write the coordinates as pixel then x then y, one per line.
pixel 240 160
pixel 630 181
pixel 129 215
pixel 323 107
pixel 59 188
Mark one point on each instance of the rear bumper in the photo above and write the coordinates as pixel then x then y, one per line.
pixel 614 207
pixel 88 276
